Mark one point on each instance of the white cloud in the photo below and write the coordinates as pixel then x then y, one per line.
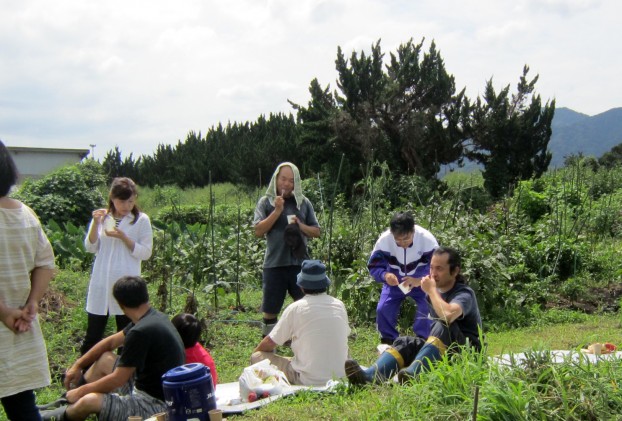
pixel 145 72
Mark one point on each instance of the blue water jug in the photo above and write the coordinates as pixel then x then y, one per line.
pixel 189 392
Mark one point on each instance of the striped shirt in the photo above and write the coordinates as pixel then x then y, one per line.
pixel 23 247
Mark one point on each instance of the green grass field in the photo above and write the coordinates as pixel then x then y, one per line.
pixel 445 393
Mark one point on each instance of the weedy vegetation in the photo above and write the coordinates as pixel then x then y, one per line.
pixel 545 262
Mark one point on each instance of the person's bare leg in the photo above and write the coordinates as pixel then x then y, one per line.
pixel 101 368
pixel 87 405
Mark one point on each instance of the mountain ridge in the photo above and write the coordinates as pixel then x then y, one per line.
pixel 575 132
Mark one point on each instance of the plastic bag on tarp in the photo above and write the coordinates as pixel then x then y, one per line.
pixel 261 380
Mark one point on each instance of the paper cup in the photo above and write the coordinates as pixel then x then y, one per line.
pixel 291 219
pixel 597 348
pixel 215 415
pixel 109 223
pixel 405 288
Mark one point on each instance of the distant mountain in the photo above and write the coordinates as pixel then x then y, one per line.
pixel 575 133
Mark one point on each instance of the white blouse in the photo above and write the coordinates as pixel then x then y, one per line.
pixel 113 260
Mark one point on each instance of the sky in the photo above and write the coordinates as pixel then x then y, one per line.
pixel 139 73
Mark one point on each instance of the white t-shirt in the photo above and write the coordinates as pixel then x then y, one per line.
pixel 318 328
pixel 113 260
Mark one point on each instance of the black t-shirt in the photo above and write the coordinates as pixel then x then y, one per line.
pixel 152 346
pixel 470 321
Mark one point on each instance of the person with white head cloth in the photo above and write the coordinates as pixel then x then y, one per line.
pixel 287 219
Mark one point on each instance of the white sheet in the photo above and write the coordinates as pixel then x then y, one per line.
pixel 557 356
pixel 228 396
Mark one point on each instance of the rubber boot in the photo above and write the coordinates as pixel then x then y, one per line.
pixel 266 328
pixel 424 358
pixel 384 368
pixel 55 404
pixel 57 414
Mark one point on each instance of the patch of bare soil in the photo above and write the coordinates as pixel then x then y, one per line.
pixel 53 304
pixel 600 299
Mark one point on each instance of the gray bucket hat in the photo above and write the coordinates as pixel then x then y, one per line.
pixel 313 275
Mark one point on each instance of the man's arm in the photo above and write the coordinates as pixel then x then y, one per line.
pixel 114 380
pixel 309 231
pixel 378 267
pixel 448 312
pixel 108 344
pixel 266 345
pixel 265 225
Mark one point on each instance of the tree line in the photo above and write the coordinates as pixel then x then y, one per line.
pixel 404 111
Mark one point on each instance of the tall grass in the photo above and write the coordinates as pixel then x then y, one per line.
pixel 536 389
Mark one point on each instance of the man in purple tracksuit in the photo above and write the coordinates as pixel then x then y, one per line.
pixel 401 256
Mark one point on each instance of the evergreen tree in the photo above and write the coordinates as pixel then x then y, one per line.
pixel 114 166
pixel 612 158
pixel 317 143
pixel 406 113
pixel 510 135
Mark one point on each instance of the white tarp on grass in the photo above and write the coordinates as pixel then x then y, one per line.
pixel 557 356
pixel 228 396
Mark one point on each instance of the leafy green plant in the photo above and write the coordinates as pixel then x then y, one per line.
pixel 69 194
pixel 68 244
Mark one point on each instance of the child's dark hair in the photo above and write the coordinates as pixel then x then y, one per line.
pixel 123 188
pixel 189 328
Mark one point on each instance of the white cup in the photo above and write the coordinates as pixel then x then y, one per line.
pixel 405 288
pixel 291 219
pixel 597 348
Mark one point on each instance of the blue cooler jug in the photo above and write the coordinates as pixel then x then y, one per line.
pixel 189 392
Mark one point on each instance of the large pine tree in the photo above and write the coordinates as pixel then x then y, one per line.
pixel 511 135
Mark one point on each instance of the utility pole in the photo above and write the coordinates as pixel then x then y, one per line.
pixel 92 151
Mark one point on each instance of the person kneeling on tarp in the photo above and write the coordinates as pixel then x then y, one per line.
pixel 456 322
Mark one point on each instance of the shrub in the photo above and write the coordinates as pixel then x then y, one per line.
pixel 68 244
pixel 67 195
pixel 188 214
pixel 533 204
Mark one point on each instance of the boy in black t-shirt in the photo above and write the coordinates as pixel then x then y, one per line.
pixel 151 347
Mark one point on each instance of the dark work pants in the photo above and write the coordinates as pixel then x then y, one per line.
pixel 450 336
pixel 97 326
pixel 21 407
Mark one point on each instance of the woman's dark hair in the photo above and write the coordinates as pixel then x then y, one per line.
pixel 402 223
pixel 123 188
pixel 130 291
pixel 8 171
pixel 189 328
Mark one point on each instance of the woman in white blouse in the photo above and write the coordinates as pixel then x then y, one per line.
pixel 121 238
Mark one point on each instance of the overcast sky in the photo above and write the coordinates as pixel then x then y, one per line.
pixel 140 73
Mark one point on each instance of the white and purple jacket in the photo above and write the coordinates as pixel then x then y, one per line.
pixel 413 261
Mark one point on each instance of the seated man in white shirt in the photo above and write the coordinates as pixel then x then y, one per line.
pixel 317 326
